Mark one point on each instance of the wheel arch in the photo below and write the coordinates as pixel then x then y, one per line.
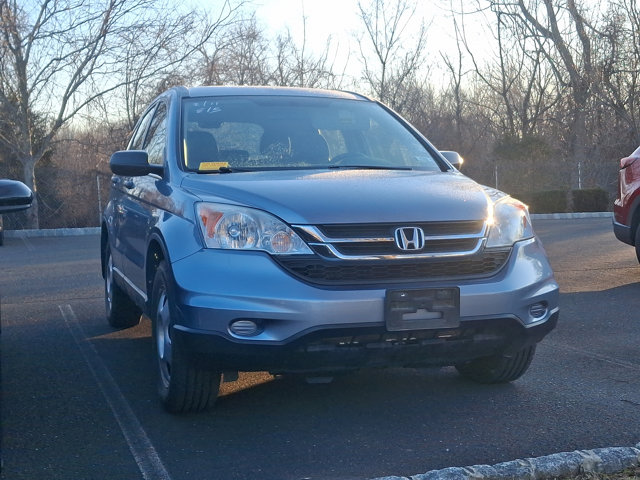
pixel 156 253
pixel 635 218
pixel 104 239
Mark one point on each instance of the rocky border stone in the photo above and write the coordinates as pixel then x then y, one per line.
pixel 602 460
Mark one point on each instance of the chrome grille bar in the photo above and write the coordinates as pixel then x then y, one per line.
pixel 319 239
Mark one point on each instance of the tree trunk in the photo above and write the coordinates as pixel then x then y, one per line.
pixel 29 171
pixel 580 139
pixel 579 133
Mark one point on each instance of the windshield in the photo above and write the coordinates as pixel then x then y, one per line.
pixel 262 132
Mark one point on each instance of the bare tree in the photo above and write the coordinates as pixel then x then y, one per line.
pixel 563 36
pixel 60 56
pixel 619 66
pixel 456 75
pixel 238 57
pixel 523 89
pixel 396 57
pixel 295 66
pixel 246 55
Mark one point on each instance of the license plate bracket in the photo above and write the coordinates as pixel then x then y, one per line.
pixel 422 309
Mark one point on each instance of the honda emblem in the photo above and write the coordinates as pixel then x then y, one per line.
pixel 409 238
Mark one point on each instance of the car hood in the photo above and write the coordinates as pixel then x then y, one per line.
pixel 347 196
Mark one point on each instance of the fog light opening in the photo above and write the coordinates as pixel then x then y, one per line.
pixel 538 310
pixel 246 328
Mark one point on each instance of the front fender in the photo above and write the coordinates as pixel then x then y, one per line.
pixel 177 235
pixel 172 239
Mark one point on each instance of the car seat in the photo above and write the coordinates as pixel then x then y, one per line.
pixel 200 147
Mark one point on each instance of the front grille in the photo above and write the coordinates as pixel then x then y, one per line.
pixel 386 229
pixel 339 272
pixel 379 242
pixel 372 254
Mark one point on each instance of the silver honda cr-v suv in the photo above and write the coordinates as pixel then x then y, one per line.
pixel 313 232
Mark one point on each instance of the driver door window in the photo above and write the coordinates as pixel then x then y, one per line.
pixel 156 138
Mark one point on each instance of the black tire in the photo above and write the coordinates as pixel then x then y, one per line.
pixel 637 243
pixel 182 385
pixel 120 309
pixel 499 368
pixel 1 237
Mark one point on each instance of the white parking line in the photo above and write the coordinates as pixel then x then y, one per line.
pixel 28 244
pixel 596 356
pixel 143 452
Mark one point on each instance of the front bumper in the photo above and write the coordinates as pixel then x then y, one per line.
pixel 310 328
pixel 360 346
pixel 623 233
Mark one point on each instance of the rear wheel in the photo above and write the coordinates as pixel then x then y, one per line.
pixel 637 243
pixel 183 386
pixel 498 368
pixel 120 309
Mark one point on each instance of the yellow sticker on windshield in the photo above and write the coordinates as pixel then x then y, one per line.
pixel 212 165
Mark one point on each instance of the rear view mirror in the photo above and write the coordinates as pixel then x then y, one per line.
pixel 14 196
pixel 627 161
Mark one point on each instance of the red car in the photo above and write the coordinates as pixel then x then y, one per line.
pixel 626 208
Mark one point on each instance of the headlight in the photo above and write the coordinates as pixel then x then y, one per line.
pixel 239 228
pixel 509 222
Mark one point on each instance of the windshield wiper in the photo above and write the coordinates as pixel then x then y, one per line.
pixel 226 170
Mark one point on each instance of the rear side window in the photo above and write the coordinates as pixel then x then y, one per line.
pixel 137 141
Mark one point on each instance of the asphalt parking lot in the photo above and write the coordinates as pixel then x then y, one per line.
pixel 79 398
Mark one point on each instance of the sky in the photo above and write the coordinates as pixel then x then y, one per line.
pixel 335 17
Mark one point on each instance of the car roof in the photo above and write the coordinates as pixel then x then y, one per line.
pixel 267 91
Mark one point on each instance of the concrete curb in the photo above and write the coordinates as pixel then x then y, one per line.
pixel 563 216
pixel 567 464
pixel 67 232
pixel 55 232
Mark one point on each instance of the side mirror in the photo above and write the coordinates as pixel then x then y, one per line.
pixel 626 162
pixel 453 158
pixel 14 196
pixel 133 163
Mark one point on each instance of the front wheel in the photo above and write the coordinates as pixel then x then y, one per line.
pixel 498 368
pixel 182 386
